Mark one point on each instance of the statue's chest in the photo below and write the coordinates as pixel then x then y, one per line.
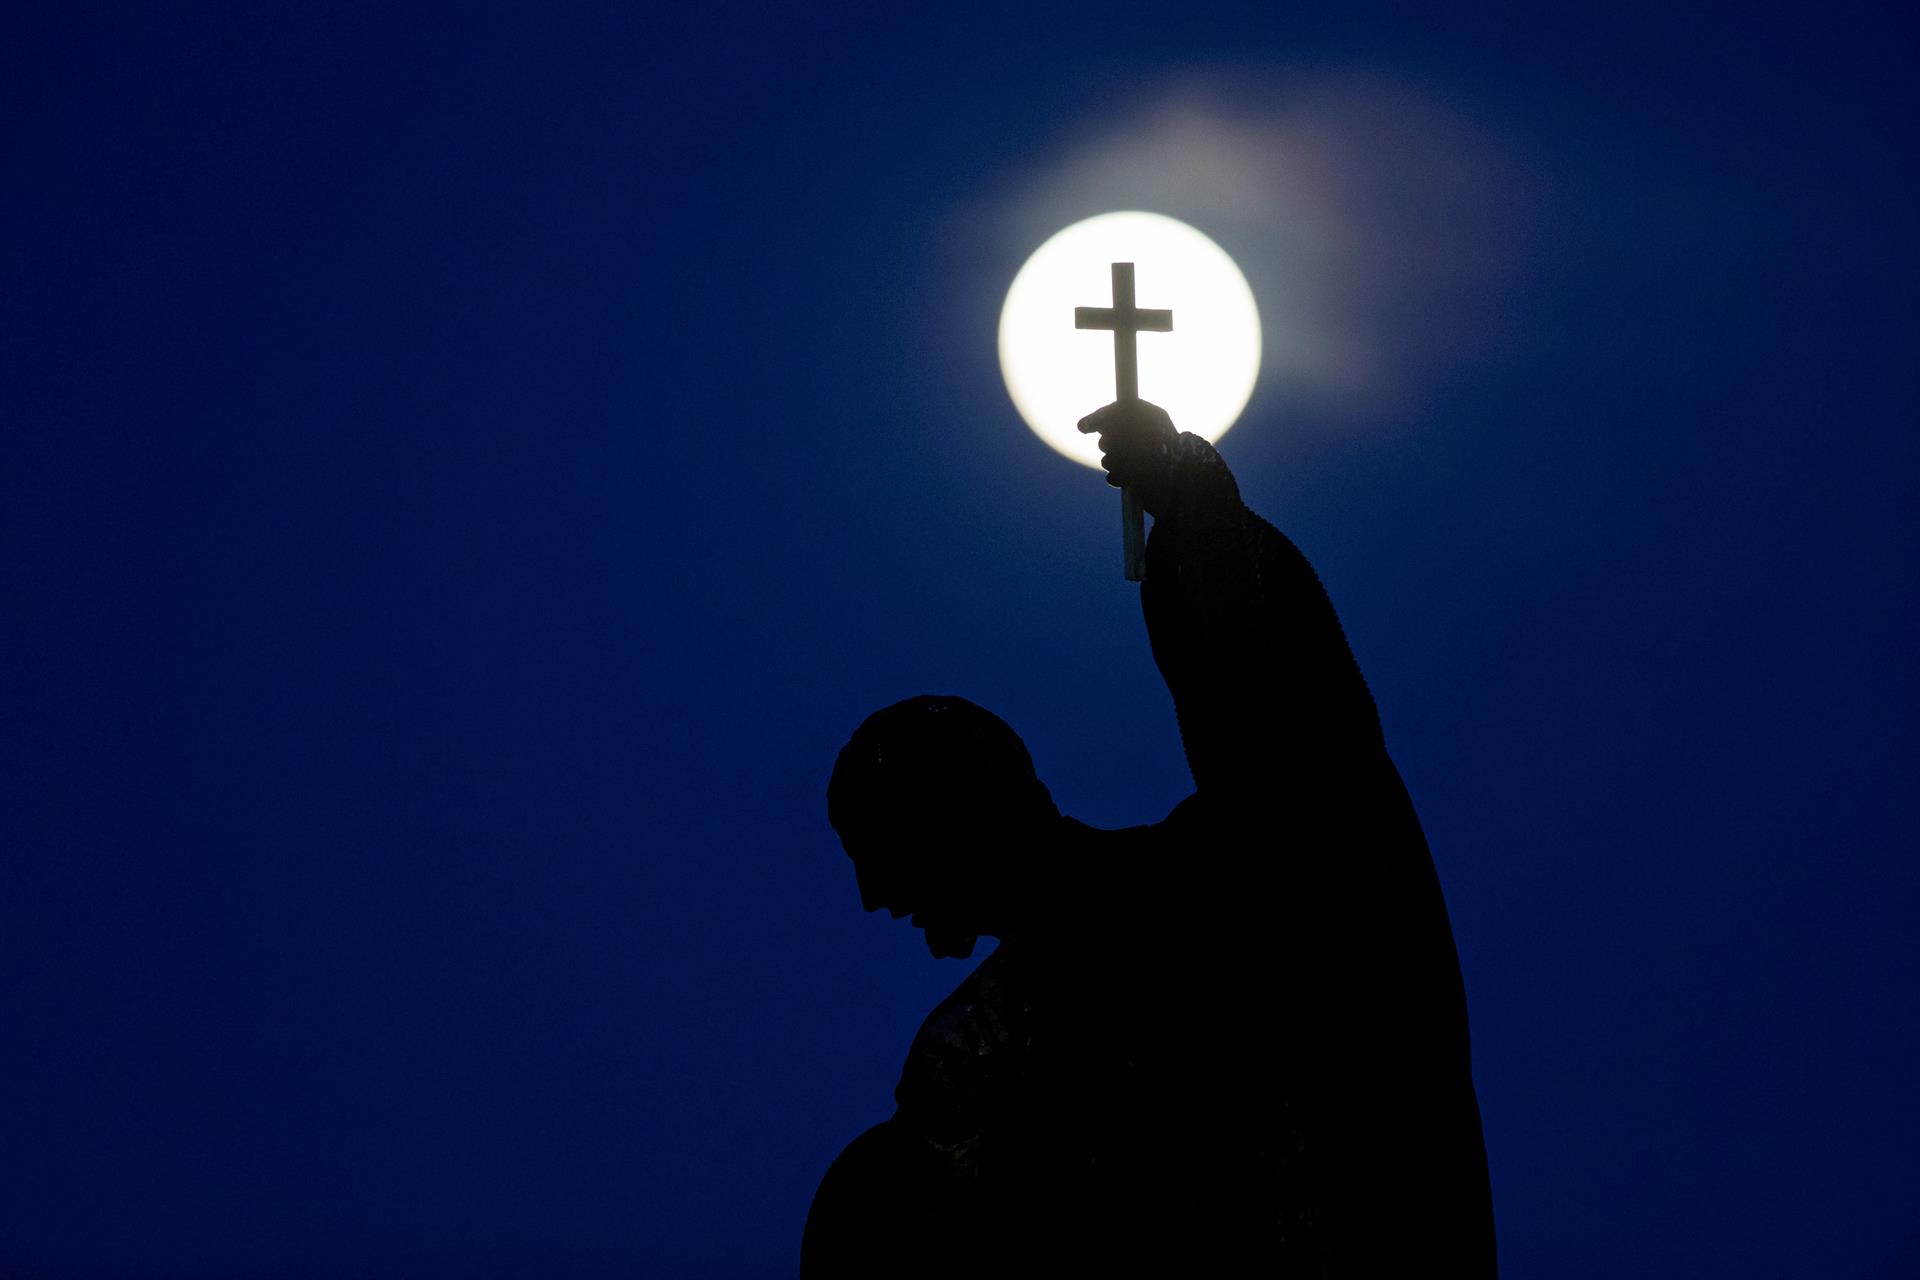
pixel 1020 1046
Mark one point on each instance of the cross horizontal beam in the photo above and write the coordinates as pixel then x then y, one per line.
pixel 1134 318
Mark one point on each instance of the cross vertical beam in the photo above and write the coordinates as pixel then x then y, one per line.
pixel 1125 319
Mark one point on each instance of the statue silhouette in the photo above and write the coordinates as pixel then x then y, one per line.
pixel 1236 1037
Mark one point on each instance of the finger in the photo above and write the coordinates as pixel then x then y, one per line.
pixel 1099 419
pixel 1129 420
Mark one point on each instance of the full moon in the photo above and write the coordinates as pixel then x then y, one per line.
pixel 1202 373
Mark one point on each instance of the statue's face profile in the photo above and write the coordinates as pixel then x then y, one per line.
pixel 922 875
pixel 935 800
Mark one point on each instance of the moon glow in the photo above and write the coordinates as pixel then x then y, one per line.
pixel 1202 373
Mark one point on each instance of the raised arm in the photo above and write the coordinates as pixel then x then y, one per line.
pixel 1266 689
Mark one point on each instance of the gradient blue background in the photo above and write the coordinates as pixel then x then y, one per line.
pixel 466 471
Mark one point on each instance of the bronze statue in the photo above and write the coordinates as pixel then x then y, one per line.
pixel 1234 1039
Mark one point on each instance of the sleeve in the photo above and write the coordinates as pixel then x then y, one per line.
pixel 1264 684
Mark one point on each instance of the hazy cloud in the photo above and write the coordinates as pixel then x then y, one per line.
pixel 1382 231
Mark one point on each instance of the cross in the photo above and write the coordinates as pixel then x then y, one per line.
pixel 1125 320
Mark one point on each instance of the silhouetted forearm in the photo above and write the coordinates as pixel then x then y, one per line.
pixel 1261 675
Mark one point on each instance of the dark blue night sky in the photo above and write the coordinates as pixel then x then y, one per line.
pixel 466 472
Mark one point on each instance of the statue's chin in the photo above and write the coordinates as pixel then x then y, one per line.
pixel 951 946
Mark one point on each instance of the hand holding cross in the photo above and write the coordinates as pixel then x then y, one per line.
pixel 1125 320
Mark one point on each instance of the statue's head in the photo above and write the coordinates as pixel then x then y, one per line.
pixel 936 802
